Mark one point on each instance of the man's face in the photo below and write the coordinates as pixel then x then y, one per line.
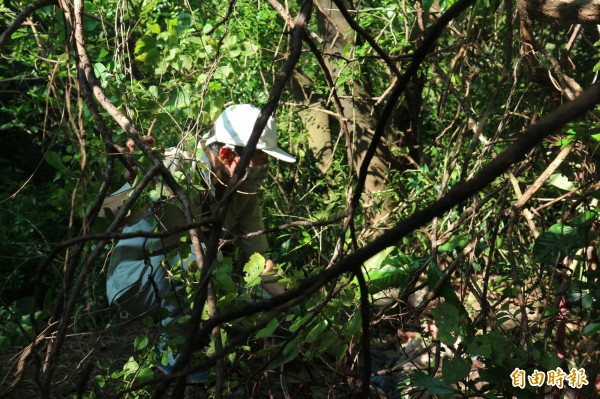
pixel 226 162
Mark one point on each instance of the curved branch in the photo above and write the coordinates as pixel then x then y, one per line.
pixel 26 13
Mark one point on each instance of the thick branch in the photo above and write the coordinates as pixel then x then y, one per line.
pixel 566 11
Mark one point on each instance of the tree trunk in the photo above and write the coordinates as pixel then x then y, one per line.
pixel 358 103
pixel 355 99
pixel 315 119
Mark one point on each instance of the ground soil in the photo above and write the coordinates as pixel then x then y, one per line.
pixel 82 353
pixel 79 358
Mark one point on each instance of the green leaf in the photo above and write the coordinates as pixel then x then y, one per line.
pixel 317 331
pixel 549 361
pixel 388 269
pixel 353 326
pixel 480 346
pixel 253 268
pixel 54 159
pixel 447 291
pixel 433 386
pixel 561 181
pixel 299 322
pixel 427 5
pixel 327 341
pixel 376 260
pixel 182 98
pixel 590 329
pixel 455 369
pixel 223 275
pixel 268 330
pixel 584 220
pixel 146 51
pixel 453 243
pixel 141 342
pixel 154 195
pixel 145 374
pixel 556 243
pixel 387 277
pixel 100 381
pixel 447 320
pixel 132 365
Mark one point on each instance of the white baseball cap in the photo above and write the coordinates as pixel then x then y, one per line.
pixel 234 127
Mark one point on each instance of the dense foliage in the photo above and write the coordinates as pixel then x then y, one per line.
pixel 455 283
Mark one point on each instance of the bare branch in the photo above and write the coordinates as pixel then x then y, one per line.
pixel 20 19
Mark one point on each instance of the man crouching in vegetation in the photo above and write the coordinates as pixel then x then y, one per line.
pixel 137 276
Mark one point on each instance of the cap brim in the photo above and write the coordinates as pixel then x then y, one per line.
pixel 209 138
pixel 279 154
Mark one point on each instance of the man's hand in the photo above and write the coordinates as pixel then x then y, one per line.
pixel 269 281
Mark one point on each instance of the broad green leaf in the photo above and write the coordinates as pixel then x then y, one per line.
pixel 480 346
pixel 145 374
pixel 448 322
pixel 299 322
pixel 292 349
pixel 223 275
pixel 561 181
pixel 317 331
pixel 427 5
pixel 182 99
pixel 584 220
pixel 253 268
pixel 328 340
pixel 591 329
pixel 132 365
pixel 154 195
pixel 54 159
pixel 100 381
pixel 376 260
pixel 556 243
pixel 268 330
pixel 99 69
pixel 387 277
pixel 453 243
pixel 455 369
pixel 549 361
pixel 388 269
pixel 447 291
pixel 353 326
pixel 140 342
pixel 146 51
pixel 154 28
pixel 433 386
